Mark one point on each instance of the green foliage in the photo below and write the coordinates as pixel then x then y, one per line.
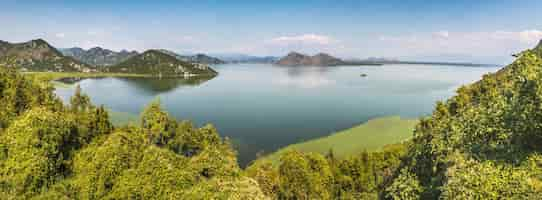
pixel 36 152
pixel 305 176
pixel 18 94
pixel 157 124
pixel 311 176
pixel 470 179
pixel 267 176
pixel 158 63
pixel 474 144
pixel 405 186
pixel 80 102
pixel 52 151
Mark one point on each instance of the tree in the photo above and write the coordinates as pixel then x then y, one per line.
pixel 305 176
pixel 80 102
pixel 405 187
pixel 36 149
pixel 157 124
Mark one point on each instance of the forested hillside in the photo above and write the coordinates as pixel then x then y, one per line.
pixel 484 143
pixel 157 63
pixel 52 151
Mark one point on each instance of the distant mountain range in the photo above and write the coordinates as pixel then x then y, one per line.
pixel 158 63
pixel 387 61
pixel 38 55
pixel 243 58
pixel 197 58
pixel 98 56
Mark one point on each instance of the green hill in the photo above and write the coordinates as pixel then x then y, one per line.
pixel 38 55
pixel 157 63
pixel 483 143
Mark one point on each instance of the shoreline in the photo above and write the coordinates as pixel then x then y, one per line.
pixel 54 76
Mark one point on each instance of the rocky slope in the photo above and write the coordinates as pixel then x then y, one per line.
pixel 38 55
pixel 98 56
pixel 157 63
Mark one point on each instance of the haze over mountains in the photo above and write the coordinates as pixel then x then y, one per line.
pixel 98 56
pixel 197 58
pixel 38 55
pixel 244 58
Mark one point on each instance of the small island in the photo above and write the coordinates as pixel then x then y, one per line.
pixel 320 59
pixel 157 63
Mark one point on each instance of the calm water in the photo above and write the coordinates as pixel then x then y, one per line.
pixel 264 107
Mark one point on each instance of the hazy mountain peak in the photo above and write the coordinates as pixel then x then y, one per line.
pixel 298 59
pixel 98 55
pixel 295 53
pixel 197 58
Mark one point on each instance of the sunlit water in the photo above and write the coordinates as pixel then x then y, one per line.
pixel 264 107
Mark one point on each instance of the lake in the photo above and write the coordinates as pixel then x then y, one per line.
pixel 264 107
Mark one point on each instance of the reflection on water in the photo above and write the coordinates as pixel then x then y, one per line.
pixel 150 85
pixel 305 77
pixel 156 86
pixel 265 107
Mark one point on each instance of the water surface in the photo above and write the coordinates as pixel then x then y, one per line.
pixel 264 107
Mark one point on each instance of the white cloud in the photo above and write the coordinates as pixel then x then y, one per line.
pixel 442 34
pixel 303 39
pixel 527 36
pixel 530 36
pixel 475 44
pixel 60 35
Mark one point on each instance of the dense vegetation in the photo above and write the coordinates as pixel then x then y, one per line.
pixel 158 63
pixel 483 143
pixel 317 176
pixel 52 151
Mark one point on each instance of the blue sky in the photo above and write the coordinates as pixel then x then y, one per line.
pixel 477 31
